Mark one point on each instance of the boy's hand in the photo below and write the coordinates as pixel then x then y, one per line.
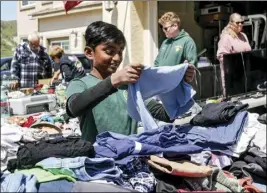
pixel 129 74
pixel 190 73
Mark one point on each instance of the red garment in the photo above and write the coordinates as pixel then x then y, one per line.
pixel 68 5
pixel 246 183
pixel 29 122
pixel 51 91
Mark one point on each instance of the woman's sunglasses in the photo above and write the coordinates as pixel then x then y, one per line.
pixel 238 22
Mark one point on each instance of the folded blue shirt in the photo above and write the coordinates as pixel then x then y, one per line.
pixel 224 134
pixel 165 82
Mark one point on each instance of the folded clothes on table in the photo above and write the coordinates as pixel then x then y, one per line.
pixel 18 182
pixel 216 181
pixel 31 153
pixel 182 140
pixel 83 168
pixel 215 113
pixel 181 168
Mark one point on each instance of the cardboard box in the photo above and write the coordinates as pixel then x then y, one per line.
pixel 44 81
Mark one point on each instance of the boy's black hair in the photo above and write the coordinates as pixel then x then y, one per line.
pixel 101 32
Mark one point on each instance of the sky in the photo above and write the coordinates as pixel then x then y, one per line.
pixel 8 10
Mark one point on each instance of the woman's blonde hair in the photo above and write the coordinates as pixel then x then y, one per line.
pixel 169 17
pixel 56 51
pixel 229 28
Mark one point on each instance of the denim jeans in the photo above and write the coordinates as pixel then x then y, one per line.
pixel 260 186
pixel 18 182
pixel 56 186
pixel 98 187
pixel 83 168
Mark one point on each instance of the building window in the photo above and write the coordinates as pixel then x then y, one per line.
pixel 25 40
pixel 62 43
pixel 25 3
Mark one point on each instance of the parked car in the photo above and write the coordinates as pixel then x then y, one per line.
pixel 6 63
pixel 5 66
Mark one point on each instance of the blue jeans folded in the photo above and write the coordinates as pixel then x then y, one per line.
pixel 260 186
pixel 18 182
pixel 56 186
pixel 98 187
pixel 83 168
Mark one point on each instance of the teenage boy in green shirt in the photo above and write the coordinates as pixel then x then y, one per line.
pixel 179 47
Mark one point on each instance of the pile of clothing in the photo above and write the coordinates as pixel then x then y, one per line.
pixel 17 130
pixel 222 149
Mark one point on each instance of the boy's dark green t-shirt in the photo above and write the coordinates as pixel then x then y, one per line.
pixel 109 115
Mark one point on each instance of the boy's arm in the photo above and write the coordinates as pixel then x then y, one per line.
pixel 158 112
pixel 55 77
pixel 80 99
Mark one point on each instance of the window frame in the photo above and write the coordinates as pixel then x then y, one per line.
pixel 24 40
pixel 55 42
pixel 27 5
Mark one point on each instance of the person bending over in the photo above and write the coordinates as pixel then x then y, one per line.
pixel 66 66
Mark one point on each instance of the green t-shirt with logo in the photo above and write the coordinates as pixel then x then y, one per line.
pixel 108 115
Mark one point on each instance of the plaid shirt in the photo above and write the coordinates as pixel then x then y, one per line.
pixel 28 66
